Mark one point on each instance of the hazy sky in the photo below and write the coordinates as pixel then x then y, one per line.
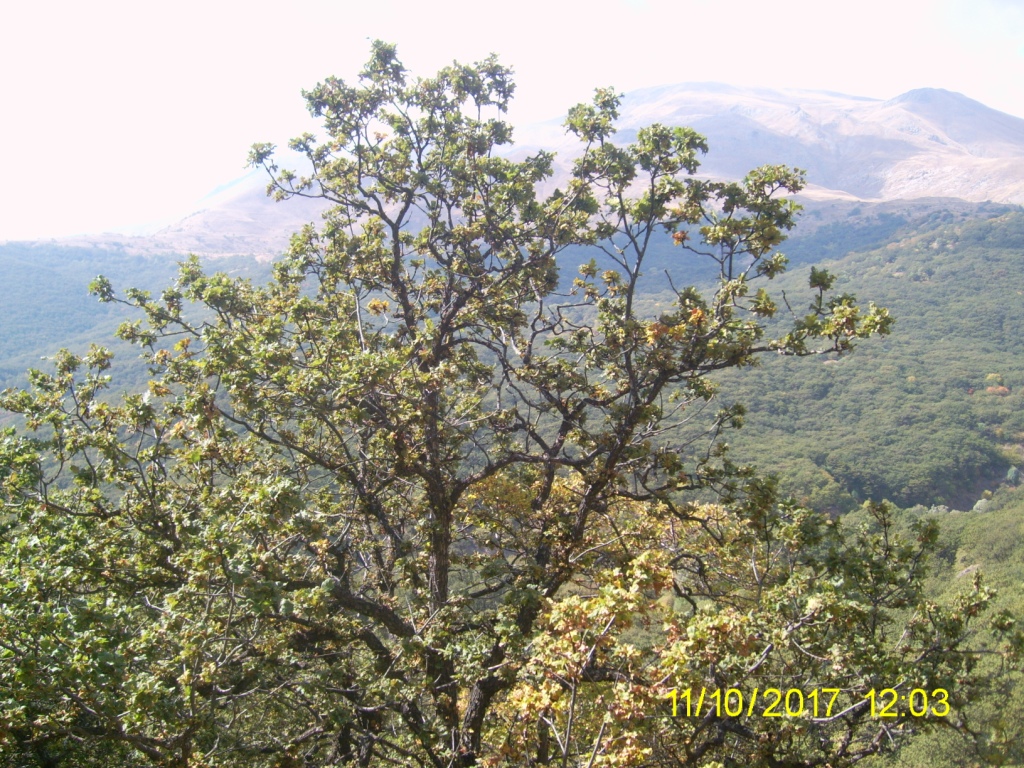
pixel 118 114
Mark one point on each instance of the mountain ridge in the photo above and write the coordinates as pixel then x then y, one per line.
pixel 924 143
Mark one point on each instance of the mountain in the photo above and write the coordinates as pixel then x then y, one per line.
pixel 237 220
pixel 924 143
pixel 927 143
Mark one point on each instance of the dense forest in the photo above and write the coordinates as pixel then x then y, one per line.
pixel 989 545
pixel 929 416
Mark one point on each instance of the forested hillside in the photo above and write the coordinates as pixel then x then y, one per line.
pixel 930 415
pixel 45 303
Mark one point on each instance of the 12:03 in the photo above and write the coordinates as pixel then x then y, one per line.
pixel 884 703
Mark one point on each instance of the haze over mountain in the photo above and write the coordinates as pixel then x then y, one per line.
pixel 924 143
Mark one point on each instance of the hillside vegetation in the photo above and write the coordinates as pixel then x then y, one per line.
pixel 990 547
pixel 930 415
pixel 45 303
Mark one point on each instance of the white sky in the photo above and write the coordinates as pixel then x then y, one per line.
pixel 119 113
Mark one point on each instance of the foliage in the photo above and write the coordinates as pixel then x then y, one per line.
pixel 969 544
pixel 409 503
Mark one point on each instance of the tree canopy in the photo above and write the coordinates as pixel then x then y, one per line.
pixel 416 499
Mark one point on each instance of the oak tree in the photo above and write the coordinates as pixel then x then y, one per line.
pixel 421 499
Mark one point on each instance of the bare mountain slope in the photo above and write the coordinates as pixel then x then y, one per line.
pixel 925 143
pixel 982 131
